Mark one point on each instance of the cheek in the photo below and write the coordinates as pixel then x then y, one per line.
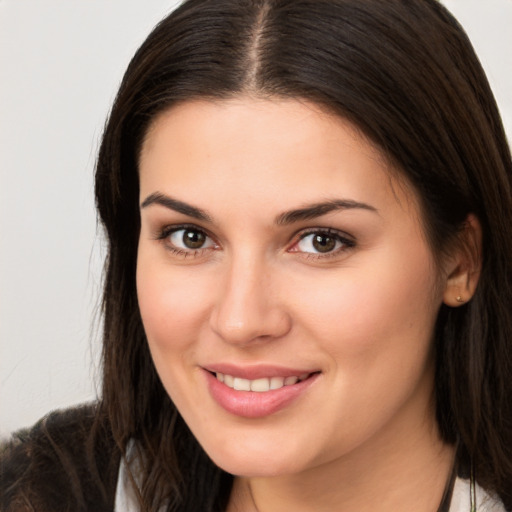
pixel 171 305
pixel 376 327
pixel 173 312
pixel 370 309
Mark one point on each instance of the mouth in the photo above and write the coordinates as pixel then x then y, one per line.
pixel 261 395
pixel 261 385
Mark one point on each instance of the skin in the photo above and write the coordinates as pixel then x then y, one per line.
pixel 363 436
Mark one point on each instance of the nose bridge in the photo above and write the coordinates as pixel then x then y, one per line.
pixel 247 308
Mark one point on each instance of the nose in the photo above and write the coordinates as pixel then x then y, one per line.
pixel 248 308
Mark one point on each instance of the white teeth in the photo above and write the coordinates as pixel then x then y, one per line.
pixel 259 385
pixel 242 384
pixel 276 382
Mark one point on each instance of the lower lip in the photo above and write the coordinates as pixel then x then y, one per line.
pixel 253 404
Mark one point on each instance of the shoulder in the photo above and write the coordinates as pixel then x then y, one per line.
pixel 67 461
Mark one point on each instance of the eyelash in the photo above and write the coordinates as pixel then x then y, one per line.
pixel 345 241
pixel 164 234
pixel 339 237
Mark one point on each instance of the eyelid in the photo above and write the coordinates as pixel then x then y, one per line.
pixel 165 231
pixel 162 235
pixel 347 241
pixel 325 231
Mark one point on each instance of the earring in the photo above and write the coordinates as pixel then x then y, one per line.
pixel 459 299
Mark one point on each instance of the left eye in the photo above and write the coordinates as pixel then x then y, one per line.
pixel 190 239
pixel 319 243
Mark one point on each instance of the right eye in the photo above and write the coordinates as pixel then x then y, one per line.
pixel 186 240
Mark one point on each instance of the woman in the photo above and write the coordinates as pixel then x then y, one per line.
pixel 307 293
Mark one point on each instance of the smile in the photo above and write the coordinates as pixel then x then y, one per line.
pixel 261 385
pixel 266 393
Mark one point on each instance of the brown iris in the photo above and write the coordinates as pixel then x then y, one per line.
pixel 193 239
pixel 323 243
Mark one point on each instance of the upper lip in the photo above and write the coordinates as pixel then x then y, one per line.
pixel 258 371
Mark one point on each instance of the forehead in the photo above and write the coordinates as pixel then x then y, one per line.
pixel 272 151
pixel 283 122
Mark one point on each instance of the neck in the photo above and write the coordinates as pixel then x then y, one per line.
pixel 400 473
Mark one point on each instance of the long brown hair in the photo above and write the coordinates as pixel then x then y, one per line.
pixel 404 72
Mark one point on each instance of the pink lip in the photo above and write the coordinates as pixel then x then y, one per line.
pixel 250 404
pixel 257 371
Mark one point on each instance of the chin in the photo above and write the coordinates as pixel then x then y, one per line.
pixel 256 459
pixel 252 467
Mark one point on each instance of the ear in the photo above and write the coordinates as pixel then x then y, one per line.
pixel 464 264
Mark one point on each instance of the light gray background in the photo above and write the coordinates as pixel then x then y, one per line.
pixel 60 64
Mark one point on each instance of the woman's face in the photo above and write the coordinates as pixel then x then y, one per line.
pixel 285 284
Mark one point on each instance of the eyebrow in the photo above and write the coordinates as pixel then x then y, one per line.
pixel 315 210
pixel 177 206
pixel 307 212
